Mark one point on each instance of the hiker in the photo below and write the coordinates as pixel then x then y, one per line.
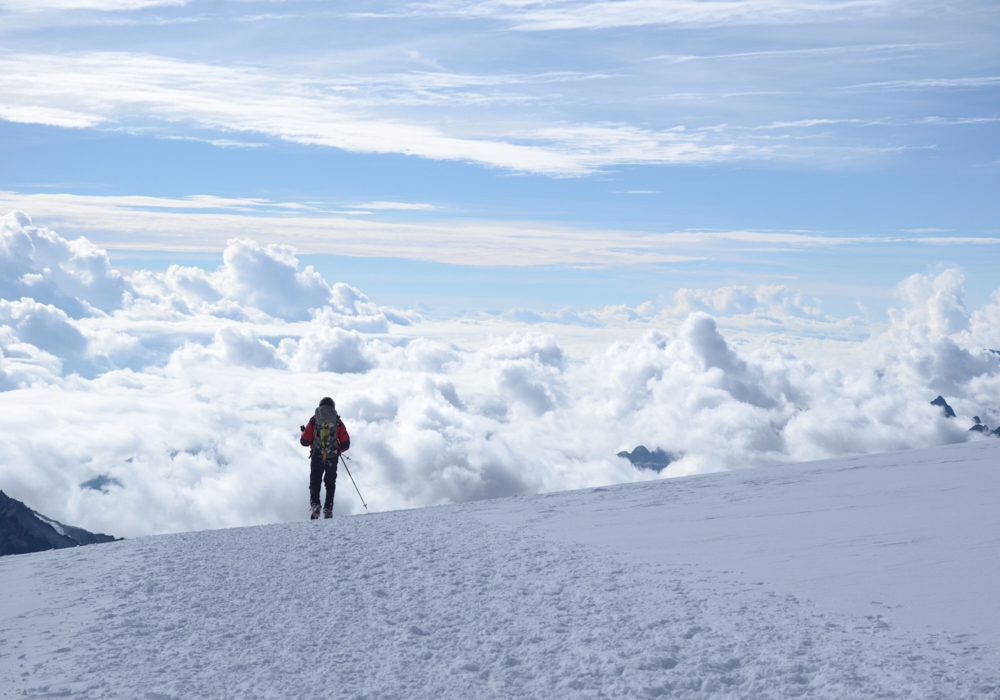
pixel 326 435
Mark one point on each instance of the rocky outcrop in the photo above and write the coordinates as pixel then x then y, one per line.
pixel 978 427
pixel 22 530
pixel 981 427
pixel 642 458
pixel 949 412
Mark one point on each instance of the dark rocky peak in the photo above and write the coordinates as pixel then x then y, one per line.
pixel 949 412
pixel 981 427
pixel 642 458
pixel 22 530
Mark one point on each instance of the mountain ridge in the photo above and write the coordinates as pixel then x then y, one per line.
pixel 24 531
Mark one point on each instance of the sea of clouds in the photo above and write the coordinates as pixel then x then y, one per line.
pixel 164 401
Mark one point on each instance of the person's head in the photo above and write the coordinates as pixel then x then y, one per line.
pixel 326 401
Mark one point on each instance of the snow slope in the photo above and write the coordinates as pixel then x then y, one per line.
pixel 853 578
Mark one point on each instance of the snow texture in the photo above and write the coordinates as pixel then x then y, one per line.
pixel 853 578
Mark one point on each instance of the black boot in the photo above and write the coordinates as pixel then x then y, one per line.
pixel 315 512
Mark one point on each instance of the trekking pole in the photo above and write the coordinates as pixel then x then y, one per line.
pixel 342 459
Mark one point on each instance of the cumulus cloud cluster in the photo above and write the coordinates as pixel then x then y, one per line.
pixel 164 401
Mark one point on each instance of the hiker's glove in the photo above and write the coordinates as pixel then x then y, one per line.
pixel 302 428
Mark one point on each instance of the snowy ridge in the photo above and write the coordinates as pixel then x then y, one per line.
pixel 23 530
pixel 736 585
pixel 54 524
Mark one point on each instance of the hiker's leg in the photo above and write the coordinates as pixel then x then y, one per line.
pixel 315 479
pixel 331 484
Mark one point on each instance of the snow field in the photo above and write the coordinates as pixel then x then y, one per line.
pixel 511 598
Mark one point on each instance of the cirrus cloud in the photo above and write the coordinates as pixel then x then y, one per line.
pixel 118 89
pixel 551 15
pixel 34 6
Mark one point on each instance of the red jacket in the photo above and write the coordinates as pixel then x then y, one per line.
pixel 309 434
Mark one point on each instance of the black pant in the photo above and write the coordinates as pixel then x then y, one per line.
pixel 325 471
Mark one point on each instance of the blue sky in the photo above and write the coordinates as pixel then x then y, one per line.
pixel 477 156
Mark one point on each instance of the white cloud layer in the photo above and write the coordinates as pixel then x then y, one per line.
pixel 547 15
pixel 822 82
pixel 185 388
pixel 110 89
pixel 29 6
pixel 39 264
pixel 205 223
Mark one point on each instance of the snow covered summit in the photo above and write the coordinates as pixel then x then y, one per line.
pixel 852 578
